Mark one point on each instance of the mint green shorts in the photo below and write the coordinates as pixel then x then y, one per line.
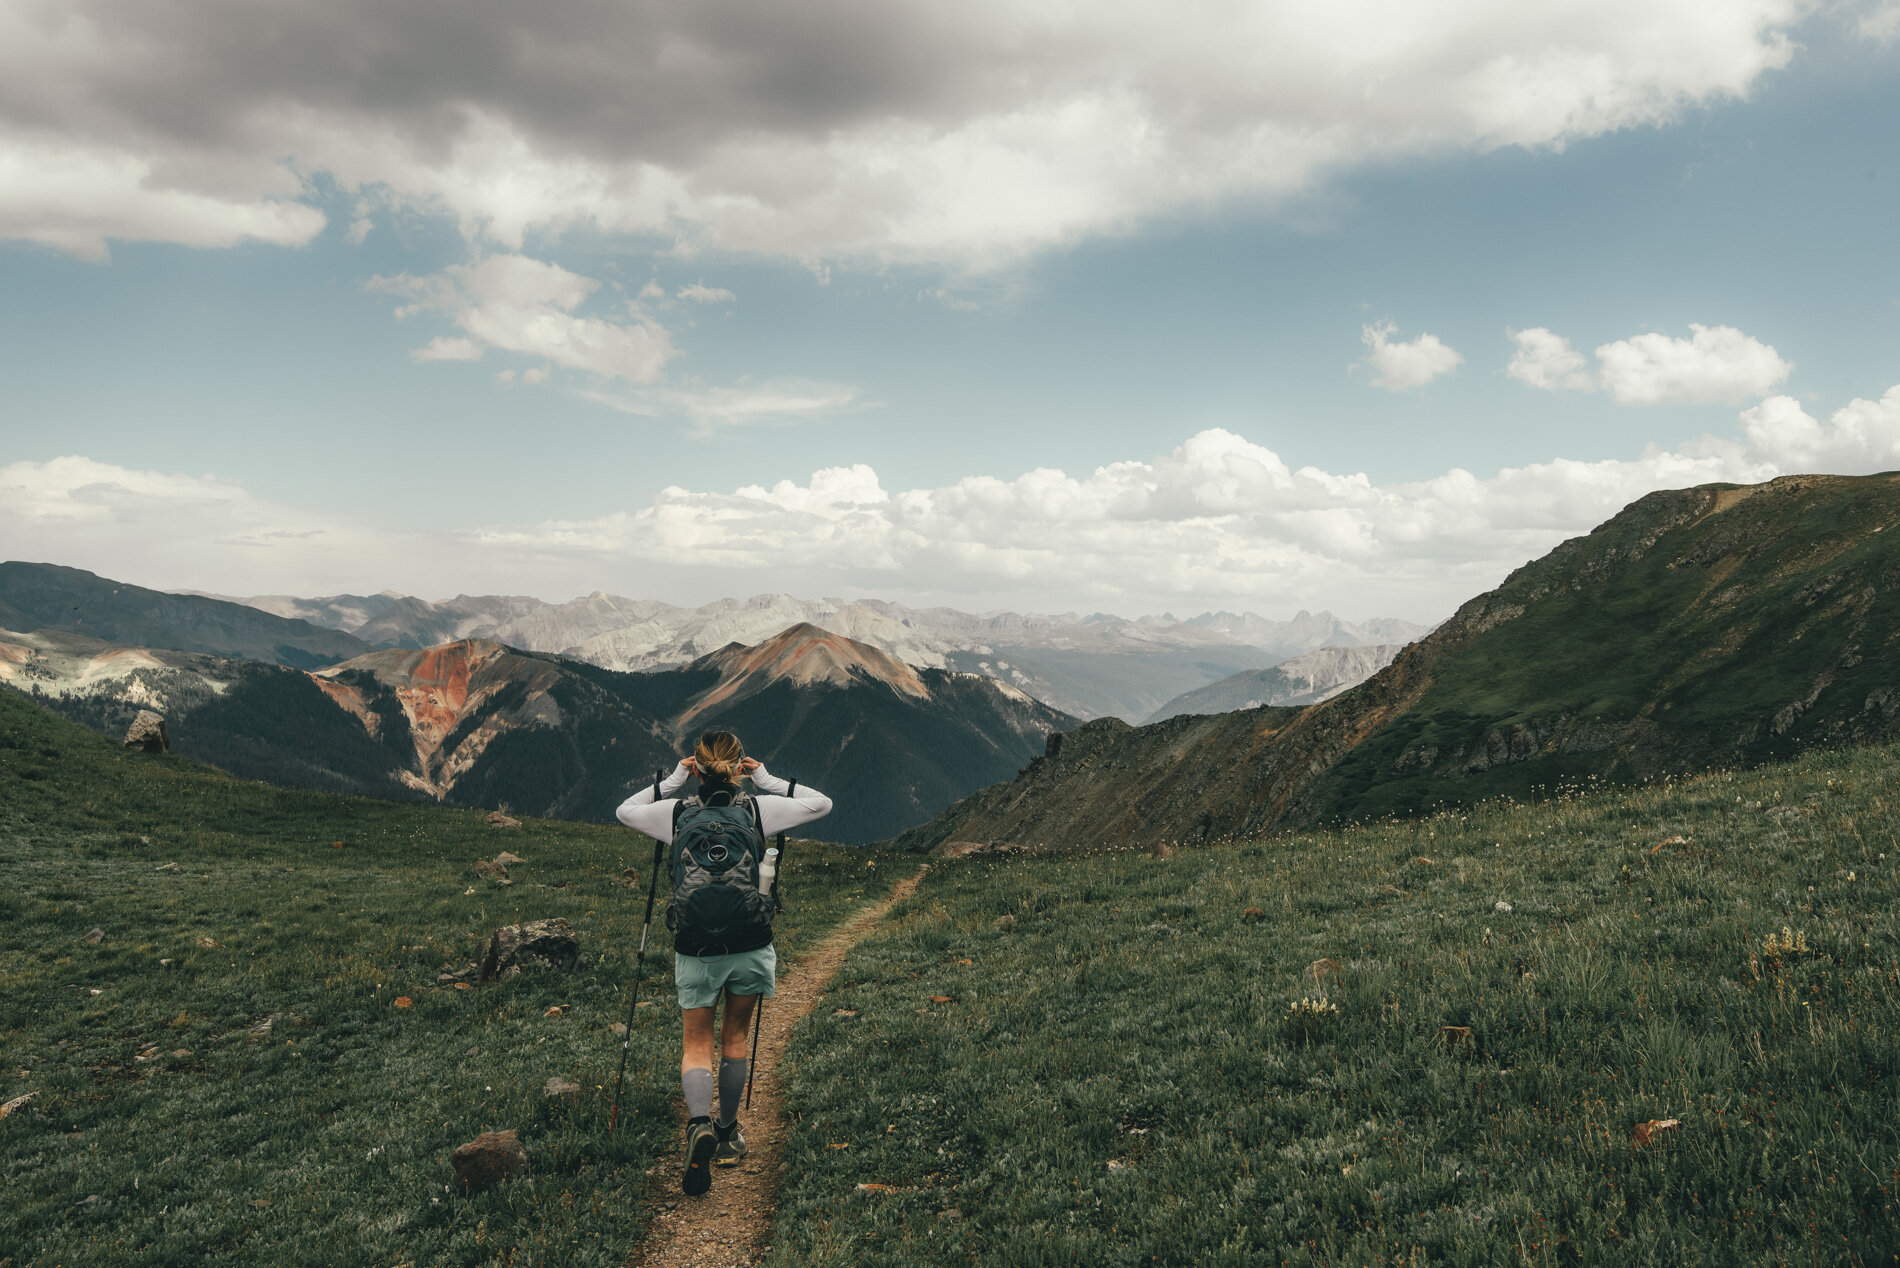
pixel 700 978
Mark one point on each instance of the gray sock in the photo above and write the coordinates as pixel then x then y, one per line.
pixel 732 1071
pixel 699 1089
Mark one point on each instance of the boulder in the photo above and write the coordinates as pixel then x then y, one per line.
pixel 560 1087
pixel 537 944
pixel 95 936
pixel 497 872
pixel 506 859
pixel 496 819
pixel 147 733
pixel 489 1159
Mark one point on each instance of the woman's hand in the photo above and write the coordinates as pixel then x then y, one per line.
pixel 749 764
pixel 690 764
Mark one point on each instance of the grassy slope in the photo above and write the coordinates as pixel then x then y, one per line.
pixel 328 1142
pixel 1692 650
pixel 1118 1080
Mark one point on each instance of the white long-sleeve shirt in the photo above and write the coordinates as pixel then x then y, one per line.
pixel 778 811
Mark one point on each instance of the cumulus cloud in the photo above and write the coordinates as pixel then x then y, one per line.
pixel 965 134
pixel 1404 366
pixel 1218 521
pixel 1545 360
pixel 1715 364
pixel 518 304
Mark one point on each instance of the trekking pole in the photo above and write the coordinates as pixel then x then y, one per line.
pixel 626 1041
pixel 758 1017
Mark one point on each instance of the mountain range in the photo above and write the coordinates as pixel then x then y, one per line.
pixel 1307 679
pixel 1088 666
pixel 1719 625
pixel 473 722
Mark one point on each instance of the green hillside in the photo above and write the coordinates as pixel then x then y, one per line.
pixel 1715 626
pixel 51 597
pixel 1105 1059
pixel 324 1137
pixel 1748 633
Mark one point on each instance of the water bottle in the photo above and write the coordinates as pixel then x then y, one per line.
pixel 768 870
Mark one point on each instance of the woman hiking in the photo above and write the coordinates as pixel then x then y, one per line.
pixel 722 922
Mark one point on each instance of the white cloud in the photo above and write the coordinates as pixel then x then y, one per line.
pixel 711 408
pixel 965 134
pixel 1402 366
pixel 700 293
pixel 1219 521
pixel 1715 364
pixel 1881 23
pixel 1545 360
pixel 78 197
pixel 1862 435
pixel 200 532
pixel 523 305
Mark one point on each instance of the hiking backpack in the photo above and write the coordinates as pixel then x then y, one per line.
pixel 717 850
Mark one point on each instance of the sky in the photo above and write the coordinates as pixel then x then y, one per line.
pixel 1048 306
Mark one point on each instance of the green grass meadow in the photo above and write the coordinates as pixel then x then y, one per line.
pixel 1122 1075
pixel 1087 1060
pixel 326 1140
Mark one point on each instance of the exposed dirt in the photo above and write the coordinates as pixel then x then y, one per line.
pixel 730 1226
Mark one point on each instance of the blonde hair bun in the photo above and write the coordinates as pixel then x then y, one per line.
pixel 719 754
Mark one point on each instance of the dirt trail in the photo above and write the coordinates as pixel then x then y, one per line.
pixel 729 1227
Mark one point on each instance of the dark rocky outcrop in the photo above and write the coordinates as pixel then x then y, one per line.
pixel 147 733
pixel 537 944
pixel 489 1159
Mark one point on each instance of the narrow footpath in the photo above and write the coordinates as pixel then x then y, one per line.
pixel 730 1227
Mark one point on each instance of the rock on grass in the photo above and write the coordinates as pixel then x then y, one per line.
pixel 489 1159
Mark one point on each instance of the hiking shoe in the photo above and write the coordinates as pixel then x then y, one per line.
pixel 731 1144
pixel 701 1140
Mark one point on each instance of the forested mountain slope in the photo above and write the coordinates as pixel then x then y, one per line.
pixel 476 723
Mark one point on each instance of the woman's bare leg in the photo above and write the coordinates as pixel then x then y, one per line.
pixel 698 1054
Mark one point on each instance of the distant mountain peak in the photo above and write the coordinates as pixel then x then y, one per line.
pixel 803 655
